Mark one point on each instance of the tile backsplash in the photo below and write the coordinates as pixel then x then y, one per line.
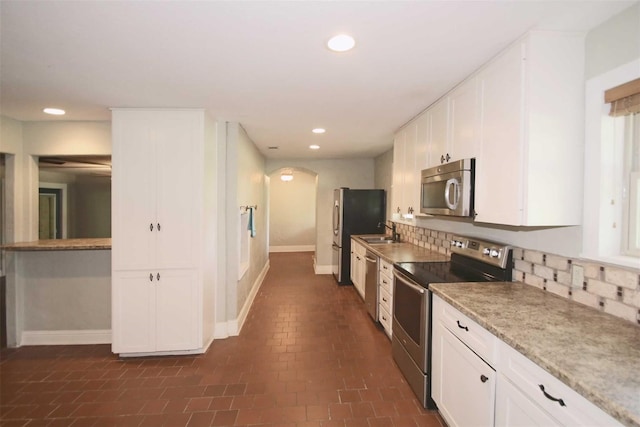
pixel 614 290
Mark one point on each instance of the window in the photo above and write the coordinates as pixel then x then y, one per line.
pixel 611 223
pixel 631 186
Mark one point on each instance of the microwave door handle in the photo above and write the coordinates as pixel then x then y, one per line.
pixel 452 183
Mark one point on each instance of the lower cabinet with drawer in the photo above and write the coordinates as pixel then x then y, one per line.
pixel 463 383
pixel 477 379
pixel 385 295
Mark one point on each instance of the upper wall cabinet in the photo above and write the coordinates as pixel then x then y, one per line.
pixel 405 184
pixel 529 168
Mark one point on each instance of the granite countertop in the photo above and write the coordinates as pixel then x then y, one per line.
pixel 60 245
pixel 594 353
pixel 401 252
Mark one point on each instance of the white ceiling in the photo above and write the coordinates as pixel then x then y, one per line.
pixel 263 63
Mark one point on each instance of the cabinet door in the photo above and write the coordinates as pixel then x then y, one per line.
pixel 514 409
pixel 423 129
pixel 175 135
pixel 463 384
pixel 134 312
pixel 177 311
pixel 397 190
pixel 464 108
pixel 134 195
pixel 498 189
pixel 439 136
pixel 410 182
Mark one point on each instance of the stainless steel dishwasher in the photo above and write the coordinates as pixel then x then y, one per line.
pixel 371 285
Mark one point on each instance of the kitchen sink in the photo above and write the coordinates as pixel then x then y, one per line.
pixel 378 240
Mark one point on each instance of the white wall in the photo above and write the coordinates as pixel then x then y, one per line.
pixel 332 174
pixel 292 211
pixel 613 43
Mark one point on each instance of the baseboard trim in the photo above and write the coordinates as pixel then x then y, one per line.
pixel 300 248
pixel 322 269
pixel 71 337
pixel 232 328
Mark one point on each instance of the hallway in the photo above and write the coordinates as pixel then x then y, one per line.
pixel 307 356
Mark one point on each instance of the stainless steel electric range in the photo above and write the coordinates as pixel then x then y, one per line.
pixel 472 260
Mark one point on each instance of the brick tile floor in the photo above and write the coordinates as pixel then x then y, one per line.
pixel 308 355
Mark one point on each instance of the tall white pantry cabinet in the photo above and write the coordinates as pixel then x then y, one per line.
pixel 162 294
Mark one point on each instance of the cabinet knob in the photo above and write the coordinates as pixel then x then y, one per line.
pixel 158 276
pixel 151 277
pixel 158 226
pixel 442 159
pixel 448 157
pixel 151 227
pixel 483 378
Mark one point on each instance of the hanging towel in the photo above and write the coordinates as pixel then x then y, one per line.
pixel 251 226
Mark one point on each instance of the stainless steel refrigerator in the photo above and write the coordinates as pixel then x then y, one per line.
pixel 354 212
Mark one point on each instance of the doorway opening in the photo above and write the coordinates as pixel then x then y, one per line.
pixel 292 210
pixel 49 213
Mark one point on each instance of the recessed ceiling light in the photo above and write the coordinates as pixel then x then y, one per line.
pixel 318 130
pixel 54 111
pixel 314 147
pixel 341 43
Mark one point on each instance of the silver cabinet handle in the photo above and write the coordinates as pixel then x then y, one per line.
pixel 369 259
pixel 151 227
pixel 151 277
pixel 158 226
pixel 158 276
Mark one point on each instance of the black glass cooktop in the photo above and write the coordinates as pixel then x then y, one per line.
pixel 424 273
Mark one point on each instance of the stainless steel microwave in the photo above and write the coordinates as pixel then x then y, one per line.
pixel 448 189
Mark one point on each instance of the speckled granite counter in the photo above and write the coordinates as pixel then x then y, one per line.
pixel 60 245
pixel 596 354
pixel 403 252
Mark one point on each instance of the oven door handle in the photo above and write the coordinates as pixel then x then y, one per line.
pixel 406 281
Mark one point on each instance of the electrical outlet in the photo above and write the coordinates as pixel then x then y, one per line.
pixel 577 276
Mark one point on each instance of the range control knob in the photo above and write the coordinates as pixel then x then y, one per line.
pixel 494 253
pixel 459 244
pixel 486 251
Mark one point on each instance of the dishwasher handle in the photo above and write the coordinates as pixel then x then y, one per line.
pixel 369 259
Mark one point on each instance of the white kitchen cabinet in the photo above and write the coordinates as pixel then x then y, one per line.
pixel 529 169
pixel 464 141
pixel 358 266
pixel 514 408
pixel 527 391
pixel 158 213
pixel 476 377
pixel 405 195
pixel 155 180
pixel 438 142
pixel 463 385
pixel 156 310
pixel 385 296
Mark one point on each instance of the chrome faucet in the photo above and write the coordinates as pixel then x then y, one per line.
pixel 394 234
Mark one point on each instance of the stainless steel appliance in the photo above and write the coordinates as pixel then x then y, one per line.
pixel 472 260
pixel 371 285
pixel 354 212
pixel 448 189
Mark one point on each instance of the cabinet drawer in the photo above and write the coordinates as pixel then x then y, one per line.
pixel 385 283
pixel 386 267
pixel 557 399
pixel 385 300
pixel 478 339
pixel 385 319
